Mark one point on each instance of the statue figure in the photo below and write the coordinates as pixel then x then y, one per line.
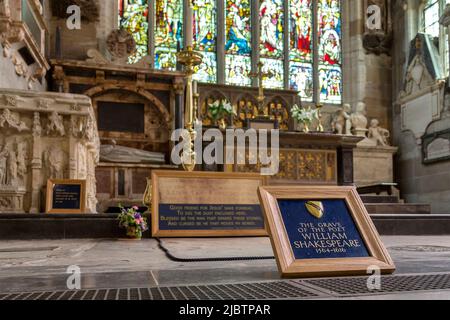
pixel 55 161
pixel 359 120
pixel 37 129
pixel 378 135
pixel 3 166
pixel 12 120
pixel 56 123
pixel 115 153
pixel 11 163
pixel 342 123
pixel 21 159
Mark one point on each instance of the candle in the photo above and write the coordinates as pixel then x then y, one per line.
pixel 195 87
pixel 189 23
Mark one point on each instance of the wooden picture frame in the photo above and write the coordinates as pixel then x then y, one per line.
pixel 330 263
pixel 204 189
pixel 77 186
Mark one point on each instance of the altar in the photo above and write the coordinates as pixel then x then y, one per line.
pixel 309 159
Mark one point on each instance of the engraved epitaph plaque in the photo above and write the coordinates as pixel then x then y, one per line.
pixel 322 231
pixel 111 116
pixel 66 196
pixel 204 204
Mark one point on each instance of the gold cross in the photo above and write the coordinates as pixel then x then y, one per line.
pixel 260 75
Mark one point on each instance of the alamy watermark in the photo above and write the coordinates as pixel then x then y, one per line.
pixel 374 20
pixel 74 280
pixel 374 280
pixel 235 146
pixel 73 22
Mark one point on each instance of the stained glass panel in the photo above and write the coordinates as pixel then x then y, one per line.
pixel 134 18
pixel 329 12
pixel 276 70
pixel 205 38
pixel 301 17
pixel 207 71
pixel 238 69
pixel 271 17
pixel 431 18
pixel 301 79
pixel 237 41
pixel 330 58
pixel 330 81
pixel 168 32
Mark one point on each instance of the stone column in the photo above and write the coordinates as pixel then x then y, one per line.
pixel 36 165
pixel 221 42
pixel 73 152
pixel 255 40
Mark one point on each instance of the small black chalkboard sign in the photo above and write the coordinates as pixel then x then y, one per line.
pixel 66 196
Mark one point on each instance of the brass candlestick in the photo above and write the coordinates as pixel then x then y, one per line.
pixel 189 58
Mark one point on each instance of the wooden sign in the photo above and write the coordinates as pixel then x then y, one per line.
pixel 66 196
pixel 322 231
pixel 206 204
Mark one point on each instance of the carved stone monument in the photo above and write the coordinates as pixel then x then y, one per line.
pixel 120 154
pixel 373 157
pixel 359 120
pixel 342 123
pixel 44 136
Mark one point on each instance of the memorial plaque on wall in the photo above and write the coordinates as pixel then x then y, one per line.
pixel 66 196
pixel 206 204
pixel 322 231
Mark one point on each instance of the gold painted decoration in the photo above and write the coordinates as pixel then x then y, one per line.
pixel 315 208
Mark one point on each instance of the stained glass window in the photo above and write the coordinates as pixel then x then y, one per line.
pixel 431 18
pixel 431 13
pixel 301 48
pixel 330 59
pixel 168 32
pixel 238 47
pixel 309 29
pixel 271 17
pixel 133 16
pixel 205 39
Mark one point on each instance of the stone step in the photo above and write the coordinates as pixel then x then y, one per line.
pixel 412 224
pixel 380 199
pixel 31 226
pixel 398 208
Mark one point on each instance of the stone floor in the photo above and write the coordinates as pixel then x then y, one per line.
pixel 42 265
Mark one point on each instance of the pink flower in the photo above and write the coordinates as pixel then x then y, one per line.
pixel 135 208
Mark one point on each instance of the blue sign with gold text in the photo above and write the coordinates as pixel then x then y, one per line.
pixel 321 229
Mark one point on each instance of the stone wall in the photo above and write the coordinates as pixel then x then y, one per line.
pixel 94 31
pixel 367 73
pixel 420 182
pixel 11 75
pixel 22 45
pixel 44 136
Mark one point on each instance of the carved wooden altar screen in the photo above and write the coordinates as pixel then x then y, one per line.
pixel 277 105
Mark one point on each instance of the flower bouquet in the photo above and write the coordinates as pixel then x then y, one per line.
pixel 304 116
pixel 133 221
pixel 219 110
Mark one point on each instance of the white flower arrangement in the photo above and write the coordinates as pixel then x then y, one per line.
pixel 304 116
pixel 220 109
